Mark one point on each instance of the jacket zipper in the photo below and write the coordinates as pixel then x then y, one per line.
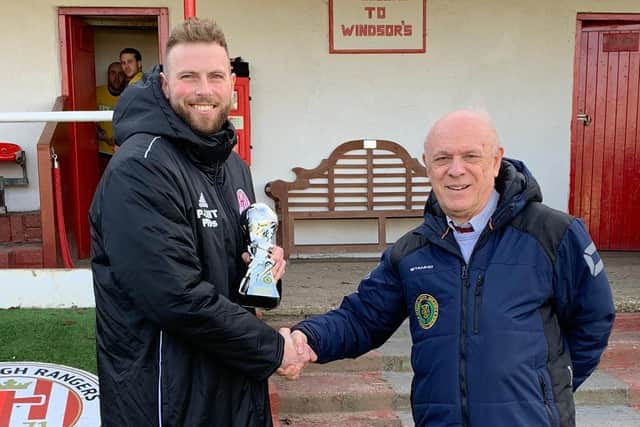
pixel 463 329
pixel 234 221
pixel 543 387
pixel 476 305
pixel 160 380
pixel 230 215
pixel 463 338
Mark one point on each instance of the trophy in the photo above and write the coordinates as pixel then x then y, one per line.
pixel 258 287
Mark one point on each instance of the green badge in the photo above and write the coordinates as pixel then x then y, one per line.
pixel 426 308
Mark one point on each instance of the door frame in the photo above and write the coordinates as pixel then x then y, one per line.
pixel 64 13
pixel 162 14
pixel 580 18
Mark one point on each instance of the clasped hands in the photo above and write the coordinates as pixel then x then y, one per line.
pixel 297 354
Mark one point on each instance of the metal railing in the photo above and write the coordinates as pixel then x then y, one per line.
pixel 56 116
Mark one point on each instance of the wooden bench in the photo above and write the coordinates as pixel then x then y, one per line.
pixel 361 180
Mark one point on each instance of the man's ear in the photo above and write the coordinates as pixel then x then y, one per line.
pixel 424 160
pixel 498 161
pixel 165 85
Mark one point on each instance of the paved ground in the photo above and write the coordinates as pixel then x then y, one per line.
pixel 623 269
pixel 315 286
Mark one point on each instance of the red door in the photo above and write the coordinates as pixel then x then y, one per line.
pixel 605 151
pixel 81 171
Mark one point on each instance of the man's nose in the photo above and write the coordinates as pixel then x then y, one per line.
pixel 204 87
pixel 457 166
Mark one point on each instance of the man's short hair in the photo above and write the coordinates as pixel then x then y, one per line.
pixel 134 52
pixel 194 30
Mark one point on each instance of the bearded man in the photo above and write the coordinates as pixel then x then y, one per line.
pixel 174 347
pixel 106 100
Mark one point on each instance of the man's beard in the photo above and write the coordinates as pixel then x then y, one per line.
pixel 115 91
pixel 204 125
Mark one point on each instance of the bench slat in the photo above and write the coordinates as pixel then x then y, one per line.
pixel 414 213
pixel 377 184
pixel 363 193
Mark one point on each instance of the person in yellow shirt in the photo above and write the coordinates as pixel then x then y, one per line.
pixel 106 99
pixel 131 61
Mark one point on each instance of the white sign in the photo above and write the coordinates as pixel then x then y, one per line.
pixel 34 394
pixel 377 26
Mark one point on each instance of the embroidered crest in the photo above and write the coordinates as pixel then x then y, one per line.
pixel 243 200
pixel 426 308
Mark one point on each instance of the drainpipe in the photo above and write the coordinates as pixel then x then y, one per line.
pixel 189 8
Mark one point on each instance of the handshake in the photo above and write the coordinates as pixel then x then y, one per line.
pixel 297 354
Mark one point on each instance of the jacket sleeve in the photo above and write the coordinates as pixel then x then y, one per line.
pixel 364 320
pixel 583 300
pixel 155 262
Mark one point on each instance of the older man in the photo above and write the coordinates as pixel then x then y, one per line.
pixel 509 305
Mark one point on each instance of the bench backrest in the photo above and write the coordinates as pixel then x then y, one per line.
pixel 360 179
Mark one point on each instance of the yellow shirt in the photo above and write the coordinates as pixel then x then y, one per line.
pixel 105 102
pixel 135 78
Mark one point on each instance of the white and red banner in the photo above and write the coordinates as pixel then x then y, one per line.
pixel 37 394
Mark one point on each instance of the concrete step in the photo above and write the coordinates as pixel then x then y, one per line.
pixel 586 416
pixel 607 416
pixel 631 378
pixel 621 360
pixel 370 362
pixel 624 343
pixel 600 389
pixel 350 419
pixel 334 393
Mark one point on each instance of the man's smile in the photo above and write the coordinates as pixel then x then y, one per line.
pixel 457 187
pixel 203 107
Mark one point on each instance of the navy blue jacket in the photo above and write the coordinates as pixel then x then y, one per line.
pixel 501 341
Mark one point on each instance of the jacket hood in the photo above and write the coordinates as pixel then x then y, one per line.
pixel 517 188
pixel 143 108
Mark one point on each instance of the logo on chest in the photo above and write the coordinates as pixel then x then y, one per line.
pixel 243 200
pixel 206 215
pixel 426 308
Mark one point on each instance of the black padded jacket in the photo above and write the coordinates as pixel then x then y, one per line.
pixel 174 349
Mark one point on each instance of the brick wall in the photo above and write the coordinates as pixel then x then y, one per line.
pixel 20 240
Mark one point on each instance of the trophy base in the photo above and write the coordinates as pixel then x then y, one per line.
pixel 261 301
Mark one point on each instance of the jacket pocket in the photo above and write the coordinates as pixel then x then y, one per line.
pixel 477 303
pixel 543 389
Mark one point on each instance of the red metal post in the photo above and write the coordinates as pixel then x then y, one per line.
pixel 189 8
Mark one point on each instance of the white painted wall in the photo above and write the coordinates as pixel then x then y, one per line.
pixel 46 288
pixel 512 58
